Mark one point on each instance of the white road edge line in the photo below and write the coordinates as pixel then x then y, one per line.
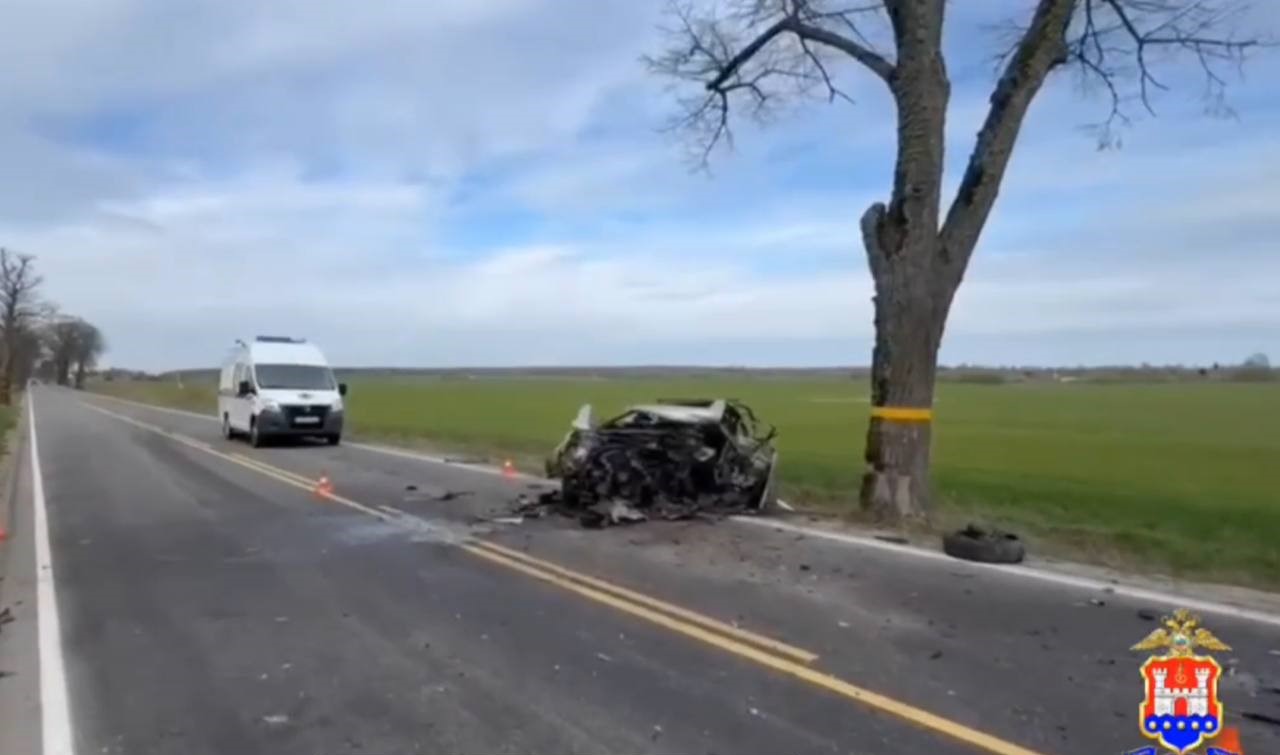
pixel 863 541
pixel 1026 572
pixel 56 735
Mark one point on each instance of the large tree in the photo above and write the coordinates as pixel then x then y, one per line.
pixel 74 347
pixel 760 53
pixel 60 339
pixel 21 308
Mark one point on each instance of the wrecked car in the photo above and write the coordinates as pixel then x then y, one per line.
pixel 671 459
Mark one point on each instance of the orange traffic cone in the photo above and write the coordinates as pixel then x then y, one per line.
pixel 324 488
pixel 1228 740
pixel 508 469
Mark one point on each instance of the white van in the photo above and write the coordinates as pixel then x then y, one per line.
pixel 276 387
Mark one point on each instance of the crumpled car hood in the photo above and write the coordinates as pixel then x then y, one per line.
pixel 672 459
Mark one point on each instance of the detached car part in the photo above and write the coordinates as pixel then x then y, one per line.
pixel 670 459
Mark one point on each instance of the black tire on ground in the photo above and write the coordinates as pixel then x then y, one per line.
pixel 986 546
pixel 256 438
pixel 227 432
pixel 334 439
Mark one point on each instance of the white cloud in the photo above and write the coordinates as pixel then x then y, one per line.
pixel 193 172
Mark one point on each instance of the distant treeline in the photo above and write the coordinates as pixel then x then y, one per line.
pixel 971 374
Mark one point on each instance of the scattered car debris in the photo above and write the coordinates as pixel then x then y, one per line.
pixel 508 520
pixel 991 546
pixel 895 539
pixel 675 459
pixel 432 493
pixel 604 657
pixel 1146 614
pixel 1097 602
pixel 6 617
pixel 275 720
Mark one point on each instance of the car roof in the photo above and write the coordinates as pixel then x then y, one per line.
pixel 286 353
pixel 683 413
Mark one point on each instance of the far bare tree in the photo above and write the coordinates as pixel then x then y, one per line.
pixel 20 310
pixel 30 351
pixel 763 53
pixel 89 346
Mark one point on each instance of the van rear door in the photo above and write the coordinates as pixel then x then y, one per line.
pixel 241 407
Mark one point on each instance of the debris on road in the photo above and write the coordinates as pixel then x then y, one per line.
pixel 275 720
pixel 675 459
pixel 432 493
pixel 991 546
pixel 895 539
pixel 1146 614
pixel 6 617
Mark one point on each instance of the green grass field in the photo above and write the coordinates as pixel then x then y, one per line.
pixel 1183 478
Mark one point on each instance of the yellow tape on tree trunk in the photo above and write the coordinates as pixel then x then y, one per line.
pixel 902 413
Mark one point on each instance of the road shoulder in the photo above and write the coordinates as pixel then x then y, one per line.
pixel 19 650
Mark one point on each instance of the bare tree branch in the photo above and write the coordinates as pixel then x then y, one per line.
pixel 1117 38
pixel 764 53
pixel 1111 42
pixel 1042 47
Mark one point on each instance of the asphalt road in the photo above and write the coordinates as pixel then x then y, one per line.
pixel 209 602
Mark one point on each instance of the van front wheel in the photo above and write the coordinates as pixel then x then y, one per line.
pixel 334 439
pixel 255 435
pixel 227 432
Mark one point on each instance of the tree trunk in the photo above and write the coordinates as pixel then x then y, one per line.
pixel 6 374
pixel 80 370
pixel 895 485
pixel 914 289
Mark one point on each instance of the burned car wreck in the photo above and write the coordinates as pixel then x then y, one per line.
pixel 673 459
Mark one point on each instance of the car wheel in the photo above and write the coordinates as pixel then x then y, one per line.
pixel 986 546
pixel 255 435
pixel 227 432
pixel 334 439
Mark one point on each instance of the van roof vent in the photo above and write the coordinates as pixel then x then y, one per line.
pixel 279 339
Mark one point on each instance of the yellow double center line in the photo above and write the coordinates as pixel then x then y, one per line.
pixel 764 651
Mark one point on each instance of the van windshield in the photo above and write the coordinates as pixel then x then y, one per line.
pixel 302 377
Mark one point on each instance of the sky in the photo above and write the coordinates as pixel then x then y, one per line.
pixel 461 183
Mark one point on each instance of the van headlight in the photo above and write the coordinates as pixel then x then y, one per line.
pixel 269 405
pixel 336 407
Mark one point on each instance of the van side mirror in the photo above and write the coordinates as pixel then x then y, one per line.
pixel 342 389
pixel 245 388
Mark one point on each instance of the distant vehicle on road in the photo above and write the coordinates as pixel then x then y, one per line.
pixel 279 387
